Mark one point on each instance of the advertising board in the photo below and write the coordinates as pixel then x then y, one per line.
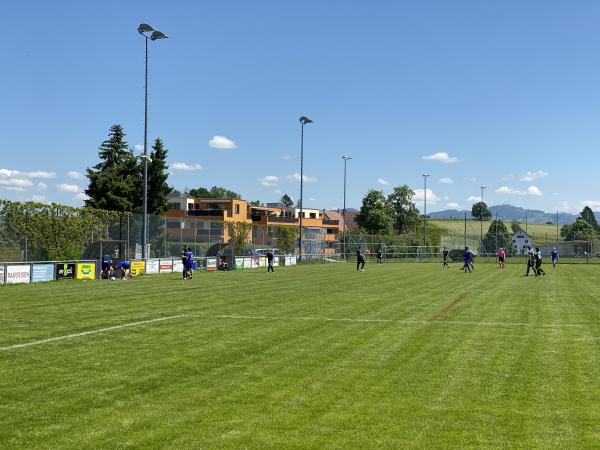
pixel 165 265
pixel 86 270
pixel 137 268
pixel 20 273
pixel 247 263
pixel 255 262
pixel 64 271
pixel 211 263
pixel 42 272
pixel 177 265
pixel 262 261
pixel 152 266
pixel 2 273
pixel 239 263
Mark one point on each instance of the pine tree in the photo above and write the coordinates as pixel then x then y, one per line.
pixel 114 181
pixel 158 188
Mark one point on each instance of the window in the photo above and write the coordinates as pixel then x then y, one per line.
pixel 173 224
pixel 237 209
pixel 174 205
pixel 313 215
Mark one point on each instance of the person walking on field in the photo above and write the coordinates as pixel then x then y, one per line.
pixel 530 261
pixel 379 255
pixel 501 257
pixel 360 261
pixel 445 255
pixel 554 256
pixel 270 262
pixel 183 260
pixel 538 262
pixel 467 255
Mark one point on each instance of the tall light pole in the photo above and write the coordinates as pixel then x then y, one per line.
pixel 425 175
pixel 303 121
pixel 148 33
pixel 345 158
pixel 481 219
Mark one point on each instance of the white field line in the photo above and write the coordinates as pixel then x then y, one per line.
pixel 90 332
pixel 275 318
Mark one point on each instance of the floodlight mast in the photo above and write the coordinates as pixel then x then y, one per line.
pixel 148 33
pixel 303 121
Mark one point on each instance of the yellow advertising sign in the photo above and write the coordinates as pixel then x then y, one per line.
pixel 137 268
pixel 86 271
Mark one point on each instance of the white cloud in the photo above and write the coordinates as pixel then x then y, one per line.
pixel 38 199
pixel 594 204
pixel 530 176
pixel 531 190
pixel 452 205
pixel 139 147
pixel 474 198
pixel 472 179
pixel 296 177
pixel 81 196
pixel 269 181
pixel 382 181
pixel 286 157
pixel 185 166
pixel 75 175
pixel 279 191
pixel 15 183
pixel 445 180
pixel 68 187
pixel 7 173
pixel 442 157
pixel 312 199
pixel 221 142
pixel 420 196
pixel 41 186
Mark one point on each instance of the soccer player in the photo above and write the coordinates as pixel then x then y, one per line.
pixel 467 255
pixel 538 262
pixel 501 257
pixel 106 265
pixel 189 263
pixel 360 261
pixel 530 261
pixel 183 259
pixel 270 262
pixel 379 255
pixel 554 256
pixel 125 267
pixel 471 259
pixel 445 254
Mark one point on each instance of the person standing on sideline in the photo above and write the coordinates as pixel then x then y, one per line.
pixel 554 256
pixel 501 257
pixel 360 261
pixel 538 262
pixel 445 254
pixel 467 255
pixel 379 255
pixel 106 265
pixel 530 261
pixel 270 262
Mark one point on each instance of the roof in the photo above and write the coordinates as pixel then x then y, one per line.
pixel 521 230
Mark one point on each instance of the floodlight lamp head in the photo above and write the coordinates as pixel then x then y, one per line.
pixel 144 28
pixel 346 157
pixel 158 35
pixel 304 120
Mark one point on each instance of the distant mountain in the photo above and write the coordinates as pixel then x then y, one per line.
pixel 509 212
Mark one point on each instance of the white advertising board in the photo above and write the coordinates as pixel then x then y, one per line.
pixel 18 274
pixel 152 266
pixel 177 265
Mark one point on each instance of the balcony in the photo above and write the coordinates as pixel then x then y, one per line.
pixel 275 219
pixel 206 212
pixel 330 222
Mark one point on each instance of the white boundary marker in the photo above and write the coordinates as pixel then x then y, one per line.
pixel 88 333
pixel 275 318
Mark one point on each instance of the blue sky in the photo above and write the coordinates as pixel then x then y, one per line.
pixel 502 94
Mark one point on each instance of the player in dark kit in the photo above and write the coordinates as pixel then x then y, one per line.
pixel 538 262
pixel 183 259
pixel 360 261
pixel 106 265
pixel 554 256
pixel 379 255
pixel 445 254
pixel 270 262
pixel 530 261
pixel 188 264
pixel 467 255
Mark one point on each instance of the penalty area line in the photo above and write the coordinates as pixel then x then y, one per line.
pixel 91 332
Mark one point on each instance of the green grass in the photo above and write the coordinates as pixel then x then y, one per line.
pixel 427 358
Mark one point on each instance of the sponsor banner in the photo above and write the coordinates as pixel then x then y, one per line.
pixel 255 262
pixel 293 260
pixel 64 271
pixel 211 263
pixel 177 265
pixel 288 261
pixel 18 274
pixel 165 265
pixel 152 266
pixel 262 261
pixel 247 263
pixel 2 272
pixel 275 261
pixel 137 268
pixel 86 271
pixel 239 263
pixel 42 272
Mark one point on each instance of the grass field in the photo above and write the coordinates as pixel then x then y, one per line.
pixel 317 356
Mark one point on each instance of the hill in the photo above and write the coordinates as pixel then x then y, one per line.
pixel 509 212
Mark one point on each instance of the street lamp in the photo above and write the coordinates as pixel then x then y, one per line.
pixel 425 175
pixel 148 33
pixel 345 158
pixel 481 218
pixel 303 121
